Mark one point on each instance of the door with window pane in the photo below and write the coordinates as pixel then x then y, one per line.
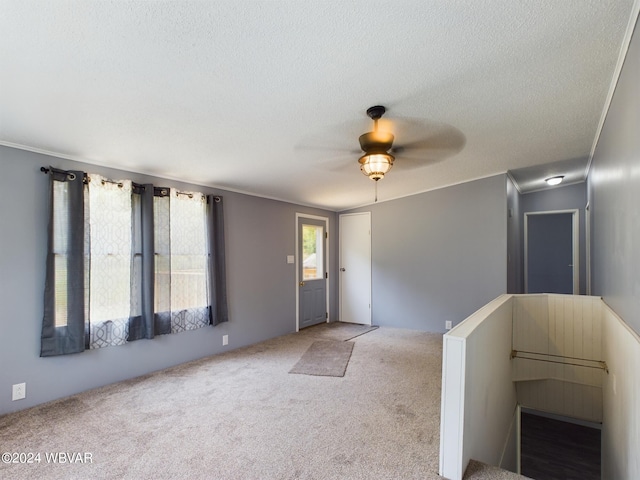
pixel 312 272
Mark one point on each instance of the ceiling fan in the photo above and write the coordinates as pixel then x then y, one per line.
pixel 403 142
pixel 376 160
pixel 430 142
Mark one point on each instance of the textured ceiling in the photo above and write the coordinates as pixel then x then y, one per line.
pixel 269 97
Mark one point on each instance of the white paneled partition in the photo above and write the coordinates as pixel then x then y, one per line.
pixel 478 395
pixel 558 366
pixel 621 412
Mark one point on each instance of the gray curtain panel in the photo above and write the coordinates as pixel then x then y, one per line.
pixel 141 321
pixel 63 325
pixel 217 266
pixel 148 262
pixel 162 261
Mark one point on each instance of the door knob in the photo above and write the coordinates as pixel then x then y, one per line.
pixel 343 269
pixel 302 284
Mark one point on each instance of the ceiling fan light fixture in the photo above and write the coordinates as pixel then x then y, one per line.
pixel 376 165
pixel 557 180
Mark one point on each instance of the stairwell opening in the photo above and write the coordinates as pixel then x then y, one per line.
pixel 554 447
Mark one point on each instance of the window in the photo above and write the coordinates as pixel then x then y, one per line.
pixel 110 260
pixel 128 261
pixel 60 222
pixel 181 259
pixel 312 261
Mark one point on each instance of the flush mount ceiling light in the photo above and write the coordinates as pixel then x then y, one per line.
pixel 376 161
pixel 557 180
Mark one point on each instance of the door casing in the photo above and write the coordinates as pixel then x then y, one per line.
pixel 300 219
pixel 575 231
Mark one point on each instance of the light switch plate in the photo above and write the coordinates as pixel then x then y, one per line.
pixel 290 259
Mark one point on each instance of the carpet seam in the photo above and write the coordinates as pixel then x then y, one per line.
pixel 374 327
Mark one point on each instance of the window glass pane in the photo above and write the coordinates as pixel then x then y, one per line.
pixel 60 216
pixel 162 254
pixel 188 251
pixel 312 261
pixel 110 226
pixel 136 251
pixel 60 290
pixel 60 229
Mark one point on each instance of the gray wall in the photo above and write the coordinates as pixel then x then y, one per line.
pixel 260 234
pixel 566 197
pixel 514 240
pixel 439 255
pixel 614 186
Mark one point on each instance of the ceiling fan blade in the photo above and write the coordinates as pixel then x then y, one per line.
pixel 443 139
pixel 329 149
pixel 340 163
pixel 439 143
pixel 328 158
pixel 412 159
pixel 406 163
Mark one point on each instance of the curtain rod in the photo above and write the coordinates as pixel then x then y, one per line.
pixel 72 176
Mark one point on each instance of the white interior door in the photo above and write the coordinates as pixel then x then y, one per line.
pixel 355 268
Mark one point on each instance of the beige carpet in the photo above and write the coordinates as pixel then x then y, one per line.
pixel 482 471
pixel 241 415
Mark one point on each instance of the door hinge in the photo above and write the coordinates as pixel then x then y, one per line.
pixel 326 234
pixel 326 274
pixel 326 315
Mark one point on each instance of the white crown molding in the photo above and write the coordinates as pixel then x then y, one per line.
pixel 633 20
pixel 75 158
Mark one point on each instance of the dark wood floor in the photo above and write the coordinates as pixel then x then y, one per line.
pixel 555 450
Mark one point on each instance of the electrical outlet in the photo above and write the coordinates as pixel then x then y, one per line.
pixel 19 391
pixel 225 340
pixel 447 324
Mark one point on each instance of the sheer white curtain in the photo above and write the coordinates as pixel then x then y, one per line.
pixel 110 261
pixel 189 261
